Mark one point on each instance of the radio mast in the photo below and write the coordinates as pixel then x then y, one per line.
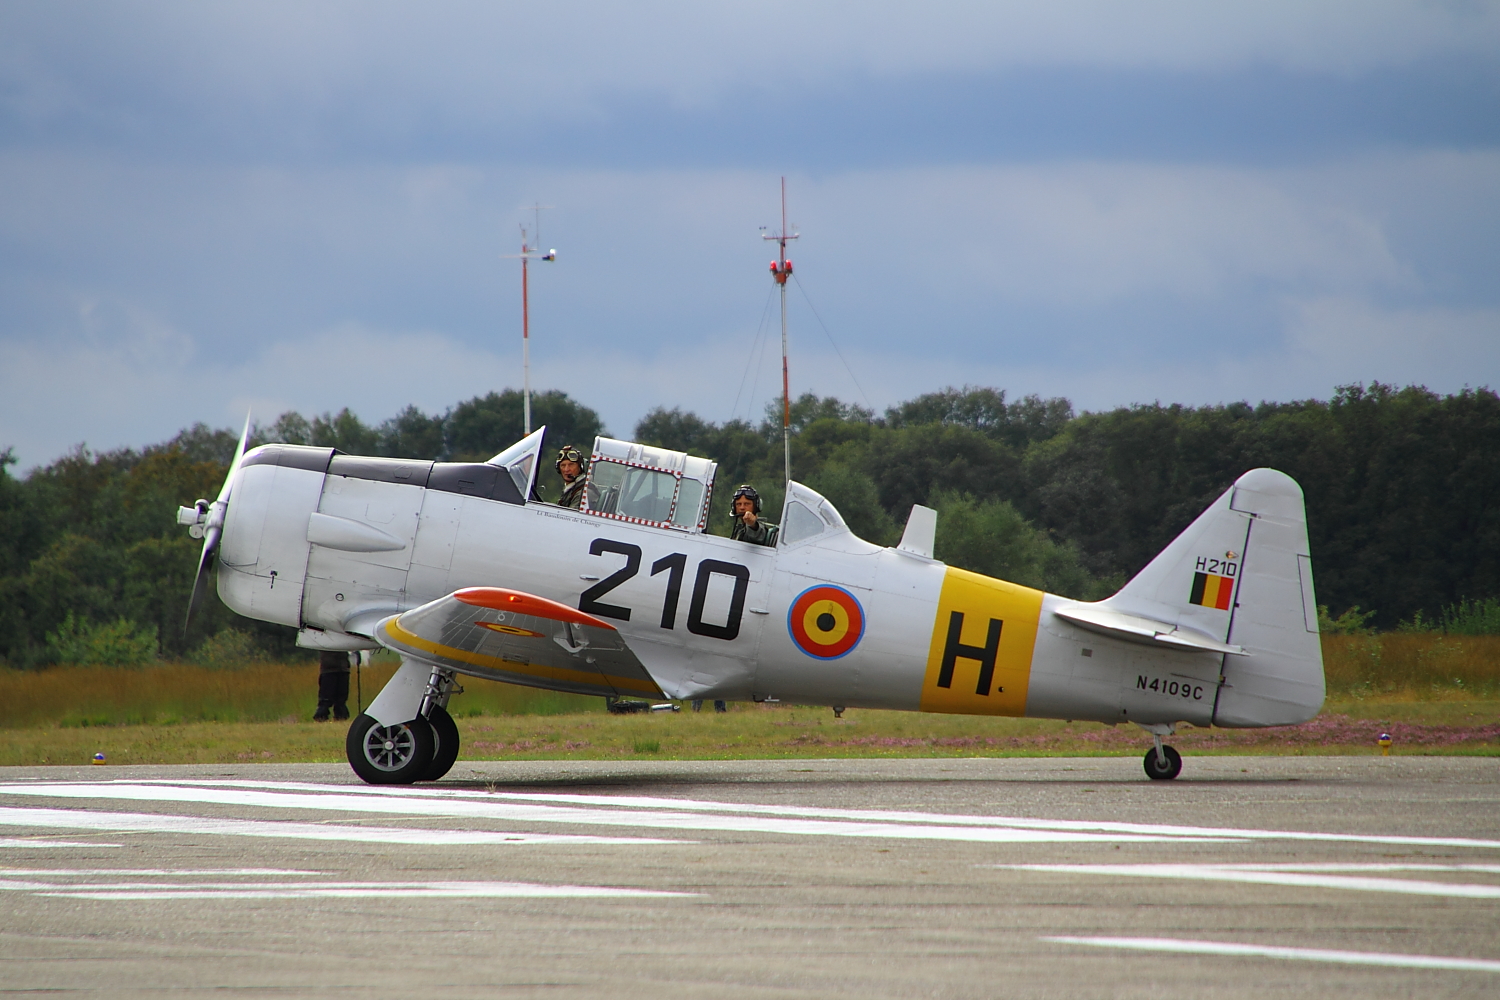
pixel 529 252
pixel 781 269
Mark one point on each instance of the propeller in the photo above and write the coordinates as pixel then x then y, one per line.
pixel 207 520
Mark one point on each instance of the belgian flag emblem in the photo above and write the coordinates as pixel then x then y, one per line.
pixel 1212 591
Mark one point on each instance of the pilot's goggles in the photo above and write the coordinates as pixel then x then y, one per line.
pixel 570 455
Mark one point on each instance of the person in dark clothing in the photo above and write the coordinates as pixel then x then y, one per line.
pixel 333 686
pixel 570 468
pixel 748 525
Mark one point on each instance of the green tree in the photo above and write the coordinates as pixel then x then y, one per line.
pixel 120 643
pixel 346 432
pixel 480 428
pixel 855 496
pixel 984 410
pixel 290 428
pixel 412 434
pixel 991 537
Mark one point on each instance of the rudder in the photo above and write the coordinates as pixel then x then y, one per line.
pixel 1281 681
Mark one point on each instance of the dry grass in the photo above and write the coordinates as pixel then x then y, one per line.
pixel 1423 667
pixel 763 732
pixel 1435 694
pixel 1414 667
pixel 168 694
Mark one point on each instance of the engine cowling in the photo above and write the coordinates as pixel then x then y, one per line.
pixel 263 557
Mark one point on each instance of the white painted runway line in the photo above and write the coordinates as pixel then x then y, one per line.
pixel 37 843
pixel 84 819
pixel 1188 947
pixel 184 872
pixel 138 891
pixel 497 809
pixel 1293 875
pixel 643 802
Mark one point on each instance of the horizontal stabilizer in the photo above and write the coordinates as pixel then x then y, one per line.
pixel 1121 625
pixel 521 638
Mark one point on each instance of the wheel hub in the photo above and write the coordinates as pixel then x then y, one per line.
pixel 389 747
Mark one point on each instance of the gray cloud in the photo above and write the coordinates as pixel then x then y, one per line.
pixel 309 206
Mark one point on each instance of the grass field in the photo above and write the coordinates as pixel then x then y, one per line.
pixel 1433 694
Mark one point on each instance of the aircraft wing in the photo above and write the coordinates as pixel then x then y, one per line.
pixel 1140 629
pixel 509 635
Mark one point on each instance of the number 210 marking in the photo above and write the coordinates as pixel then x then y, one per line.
pixel 674 566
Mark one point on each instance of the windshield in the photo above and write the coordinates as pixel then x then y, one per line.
pixel 520 460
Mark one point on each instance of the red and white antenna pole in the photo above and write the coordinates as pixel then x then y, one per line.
pixel 529 251
pixel 781 269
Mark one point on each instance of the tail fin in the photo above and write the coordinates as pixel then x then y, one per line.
pixel 1241 574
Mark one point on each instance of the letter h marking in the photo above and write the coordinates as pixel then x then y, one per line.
pixel 985 654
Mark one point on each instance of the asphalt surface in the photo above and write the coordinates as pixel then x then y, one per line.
pixel 1247 877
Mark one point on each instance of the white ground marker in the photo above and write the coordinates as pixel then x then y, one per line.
pixel 1387 959
pixel 136 891
pixel 499 809
pixel 36 843
pixel 643 802
pixel 80 819
pixel 1299 876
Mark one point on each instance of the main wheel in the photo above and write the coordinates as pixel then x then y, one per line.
pixel 389 755
pixel 1155 768
pixel 445 740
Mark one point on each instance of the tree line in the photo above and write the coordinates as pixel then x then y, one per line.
pixel 1401 487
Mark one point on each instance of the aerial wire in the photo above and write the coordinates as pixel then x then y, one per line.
pixel 754 345
pixel 831 342
pixel 753 362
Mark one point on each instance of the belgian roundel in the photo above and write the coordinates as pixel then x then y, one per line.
pixel 826 622
pixel 510 629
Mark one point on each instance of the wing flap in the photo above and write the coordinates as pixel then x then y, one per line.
pixel 1139 629
pixel 512 636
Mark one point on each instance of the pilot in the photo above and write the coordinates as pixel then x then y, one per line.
pixel 570 467
pixel 748 525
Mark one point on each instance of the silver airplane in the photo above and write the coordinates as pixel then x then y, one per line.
pixel 461 570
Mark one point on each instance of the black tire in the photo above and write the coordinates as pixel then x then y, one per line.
pixel 445 743
pixel 1156 771
pixel 394 755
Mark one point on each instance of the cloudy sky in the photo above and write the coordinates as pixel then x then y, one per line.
pixel 209 207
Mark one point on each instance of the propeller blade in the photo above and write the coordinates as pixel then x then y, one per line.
pixel 234 464
pixel 200 581
pixel 214 529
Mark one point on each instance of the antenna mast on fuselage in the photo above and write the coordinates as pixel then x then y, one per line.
pixel 781 269
pixel 528 252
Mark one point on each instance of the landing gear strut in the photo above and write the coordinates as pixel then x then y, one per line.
pixel 420 749
pixel 1163 763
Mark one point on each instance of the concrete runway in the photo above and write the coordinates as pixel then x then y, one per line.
pixel 1247 877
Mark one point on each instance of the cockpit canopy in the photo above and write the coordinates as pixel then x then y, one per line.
pixel 807 515
pixel 669 489
pixel 645 485
pixel 628 481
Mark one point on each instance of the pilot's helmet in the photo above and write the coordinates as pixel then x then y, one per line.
pixel 570 454
pixel 748 492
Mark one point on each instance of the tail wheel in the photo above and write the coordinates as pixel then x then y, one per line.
pixel 389 755
pixel 445 737
pixel 1163 770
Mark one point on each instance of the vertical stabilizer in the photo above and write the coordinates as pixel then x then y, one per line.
pixel 1276 620
pixel 1241 574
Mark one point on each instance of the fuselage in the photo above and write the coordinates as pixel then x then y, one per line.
pixel 823 618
